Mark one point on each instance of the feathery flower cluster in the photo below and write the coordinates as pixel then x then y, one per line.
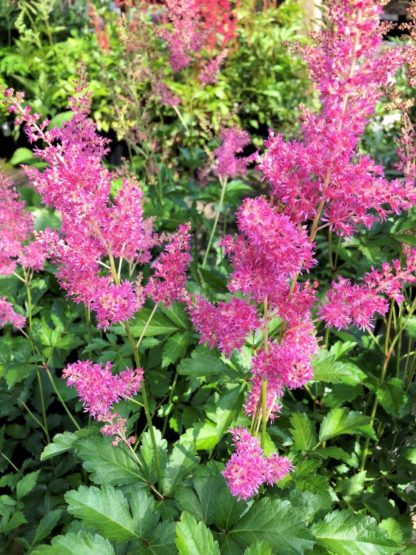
pixel 269 250
pixel 233 141
pixel 285 364
pixel 16 225
pixel 226 325
pixel 323 174
pixel 248 468
pixel 196 25
pixel 168 282
pixel 351 304
pixel 99 390
pixel 95 226
pixel 9 316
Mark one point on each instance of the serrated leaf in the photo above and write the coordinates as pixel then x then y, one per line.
pixel 46 524
pixel 393 398
pixel 277 523
pixel 340 421
pixel 349 487
pixel 82 543
pixel 181 462
pixel 26 484
pixel 202 363
pixel 329 370
pixel 103 509
pixel 60 444
pixel 175 347
pixel 147 457
pixel 159 325
pixel 303 432
pixel 346 533
pixel 259 548
pixel 107 465
pixel 194 538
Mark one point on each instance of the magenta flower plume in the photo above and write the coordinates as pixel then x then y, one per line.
pixel 9 316
pixel 98 388
pixel 351 304
pixel 233 141
pixel 268 252
pixel 248 468
pixel 16 225
pixel 167 284
pixel 323 175
pixel 95 227
pixel 116 303
pixel 226 325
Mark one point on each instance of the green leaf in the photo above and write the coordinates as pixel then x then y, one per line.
pixel 22 155
pixel 26 484
pixel 175 347
pixel 393 529
pixel 411 455
pixel 181 462
pixel 303 432
pixel 60 119
pixel 194 538
pixel 46 524
pixel 147 456
pixel 327 369
pixel 259 548
pixel 105 509
pixel 202 363
pixel 393 398
pixel 159 325
pixel 60 444
pixel 340 421
pixel 107 465
pixel 346 533
pixel 349 487
pixel 275 522
pixel 82 543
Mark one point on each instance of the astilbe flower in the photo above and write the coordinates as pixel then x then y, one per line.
pixel 197 24
pixel 351 304
pixel 285 363
pixel 323 174
pixel 226 325
pixel 99 389
pixel 9 316
pixel 94 227
pixel 233 141
pixel 269 249
pixel 16 225
pixel 169 271
pixel 248 468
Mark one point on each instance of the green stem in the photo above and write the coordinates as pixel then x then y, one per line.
pixel 145 402
pixel 223 182
pixel 147 324
pixel 43 406
pixel 387 355
pixel 36 419
pixel 263 413
pixel 10 462
pixel 75 423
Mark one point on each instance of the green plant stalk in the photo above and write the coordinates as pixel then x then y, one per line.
pixel 147 324
pixel 69 413
pixel 263 398
pixel 223 182
pixel 143 386
pixel 387 354
pixel 27 280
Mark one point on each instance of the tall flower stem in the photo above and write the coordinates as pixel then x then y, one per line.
pixel 387 354
pixel 143 388
pixel 56 390
pixel 263 398
pixel 223 181
pixel 27 280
